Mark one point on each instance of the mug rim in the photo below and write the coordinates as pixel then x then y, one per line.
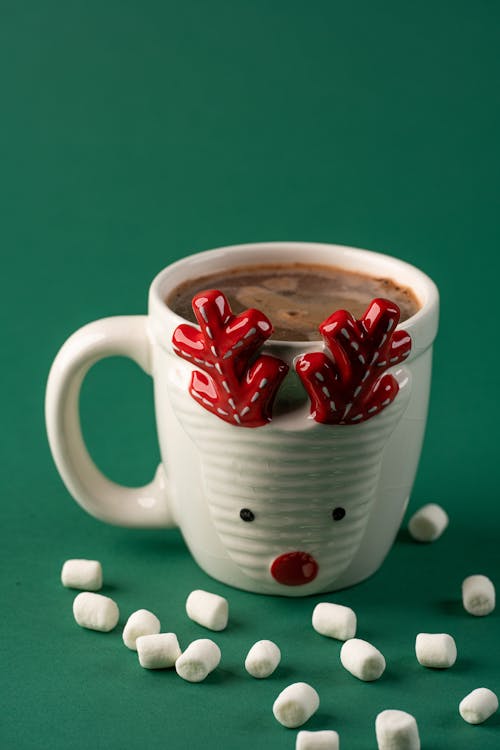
pixel 422 326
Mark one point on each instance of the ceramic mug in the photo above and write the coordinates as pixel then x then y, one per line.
pixel 292 507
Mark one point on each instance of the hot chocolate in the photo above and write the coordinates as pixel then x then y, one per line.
pixel 296 297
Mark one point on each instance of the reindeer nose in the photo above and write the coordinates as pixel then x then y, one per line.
pixel 294 568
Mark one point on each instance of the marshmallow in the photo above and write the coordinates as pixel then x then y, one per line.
pixel 478 595
pixel 209 610
pixel 362 659
pixel 436 650
pixel 323 740
pixel 139 623
pixel 82 574
pixel 478 706
pixel 334 621
pixel 158 650
pixel 295 704
pixel 428 523
pixel 95 611
pixel 396 730
pixel 199 659
pixel 262 659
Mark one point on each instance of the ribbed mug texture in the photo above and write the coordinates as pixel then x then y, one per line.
pixel 291 480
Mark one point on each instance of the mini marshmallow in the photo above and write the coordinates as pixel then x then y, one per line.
pixel 478 595
pixel 199 659
pixel 82 574
pixel 478 706
pixel 209 610
pixel 362 660
pixel 262 659
pixel 95 611
pixel 323 740
pixel 158 650
pixel 139 623
pixel 396 730
pixel 436 650
pixel 428 523
pixel 295 704
pixel 334 621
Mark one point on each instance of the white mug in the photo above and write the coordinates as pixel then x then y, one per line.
pixel 295 495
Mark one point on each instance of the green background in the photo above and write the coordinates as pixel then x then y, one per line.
pixel 134 133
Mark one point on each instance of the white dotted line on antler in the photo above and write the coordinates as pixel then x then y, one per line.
pixel 371 410
pixel 190 356
pixel 231 402
pixel 254 398
pixel 319 376
pixel 251 332
pixel 375 357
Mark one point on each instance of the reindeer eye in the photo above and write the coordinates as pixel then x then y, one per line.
pixel 246 515
pixel 338 514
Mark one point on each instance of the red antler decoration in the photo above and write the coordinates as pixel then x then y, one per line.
pixel 231 388
pixel 349 387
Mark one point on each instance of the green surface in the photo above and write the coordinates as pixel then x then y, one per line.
pixel 135 133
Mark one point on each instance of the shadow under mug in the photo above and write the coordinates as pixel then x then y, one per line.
pixel 291 474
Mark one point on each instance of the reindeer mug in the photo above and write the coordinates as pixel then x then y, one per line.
pixel 294 506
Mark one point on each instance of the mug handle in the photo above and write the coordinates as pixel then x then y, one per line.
pixel 146 507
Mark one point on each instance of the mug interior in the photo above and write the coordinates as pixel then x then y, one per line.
pixel 422 326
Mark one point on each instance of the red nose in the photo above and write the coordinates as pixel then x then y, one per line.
pixel 294 568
